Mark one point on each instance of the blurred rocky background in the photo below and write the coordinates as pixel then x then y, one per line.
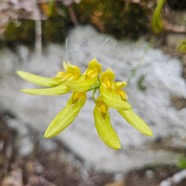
pixel 36 36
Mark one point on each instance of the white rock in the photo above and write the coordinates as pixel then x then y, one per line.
pixel 162 79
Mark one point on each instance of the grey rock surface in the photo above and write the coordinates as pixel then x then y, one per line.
pixel 158 75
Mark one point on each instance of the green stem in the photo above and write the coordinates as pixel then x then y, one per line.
pixel 93 94
pixel 157 21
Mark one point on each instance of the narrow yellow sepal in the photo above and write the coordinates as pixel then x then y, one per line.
pixel 66 116
pixel 80 85
pixel 58 90
pixel 112 99
pixel 38 80
pixel 105 130
pixel 136 121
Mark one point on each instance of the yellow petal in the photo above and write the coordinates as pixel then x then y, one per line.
pixel 136 121
pixel 105 130
pixel 38 80
pixel 113 99
pixel 107 79
pixel 72 71
pixel 66 116
pixel 81 85
pixel 120 84
pixel 60 89
pixel 94 69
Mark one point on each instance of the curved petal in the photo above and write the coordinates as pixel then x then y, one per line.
pixel 66 116
pixel 112 99
pixel 58 90
pixel 136 121
pixel 107 78
pixel 71 72
pixel 105 130
pixel 120 84
pixel 93 70
pixel 80 85
pixel 38 80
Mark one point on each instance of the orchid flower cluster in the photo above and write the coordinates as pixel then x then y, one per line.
pixel 109 94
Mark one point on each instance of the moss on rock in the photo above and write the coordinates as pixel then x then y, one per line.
pixel 54 29
pixel 114 17
pixel 22 31
pixel 117 18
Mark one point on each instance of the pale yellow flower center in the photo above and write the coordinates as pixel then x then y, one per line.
pixel 72 72
pixel 91 73
pixel 122 94
pixel 77 96
pixel 120 91
pixel 102 108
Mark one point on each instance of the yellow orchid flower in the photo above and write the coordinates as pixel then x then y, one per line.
pixel 110 94
pixel 71 72
pixel 56 84
pixel 67 115
pixel 93 70
pixel 114 96
pixel 88 79
pixel 103 125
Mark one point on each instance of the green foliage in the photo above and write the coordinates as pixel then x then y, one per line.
pixel 157 22
pixel 54 29
pixel 114 17
pixel 182 163
pixel 118 18
pixel 20 32
pixel 182 47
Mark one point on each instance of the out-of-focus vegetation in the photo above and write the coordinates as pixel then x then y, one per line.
pixel 182 163
pixel 182 47
pixel 121 18
pixel 157 22
pixel 117 18
pixel 21 31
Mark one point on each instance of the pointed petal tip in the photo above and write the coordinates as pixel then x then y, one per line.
pixel 27 91
pixel 19 72
pixel 114 145
pixel 118 147
pixel 150 133
pixel 47 135
pixel 24 90
pixel 147 131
